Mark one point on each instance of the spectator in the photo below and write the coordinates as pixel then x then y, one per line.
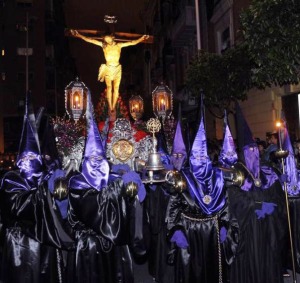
pixel 268 155
pixel 262 145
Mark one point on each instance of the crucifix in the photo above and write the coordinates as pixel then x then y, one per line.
pixel 111 71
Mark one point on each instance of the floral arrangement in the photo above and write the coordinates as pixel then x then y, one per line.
pixel 68 134
pixel 101 110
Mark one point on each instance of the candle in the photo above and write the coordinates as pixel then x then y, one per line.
pixel 162 104
pixel 76 101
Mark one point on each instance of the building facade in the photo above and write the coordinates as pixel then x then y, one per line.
pixel 34 57
pixel 174 24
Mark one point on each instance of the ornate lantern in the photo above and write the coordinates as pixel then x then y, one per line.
pixel 162 101
pixel 75 99
pixel 136 107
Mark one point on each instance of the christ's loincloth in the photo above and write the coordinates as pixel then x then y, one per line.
pixel 110 72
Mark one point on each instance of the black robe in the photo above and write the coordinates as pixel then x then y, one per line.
pixel 33 232
pixel 294 206
pixel 100 220
pixel 160 262
pixel 259 254
pixel 206 258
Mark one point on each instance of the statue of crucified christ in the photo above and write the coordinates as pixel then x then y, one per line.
pixel 111 71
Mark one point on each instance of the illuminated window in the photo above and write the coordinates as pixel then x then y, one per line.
pixel 24 51
pixel 21 27
pixel 3 52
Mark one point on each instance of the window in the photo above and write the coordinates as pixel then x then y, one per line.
pixel 223 26
pixel 24 51
pixel 3 76
pixel 3 52
pixel 50 51
pixel 21 27
pixel 225 40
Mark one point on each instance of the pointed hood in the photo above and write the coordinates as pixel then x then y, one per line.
pixel 207 183
pixel 248 145
pixel 29 158
pixel 245 136
pixel 178 143
pixel 94 144
pixel 228 155
pixel 95 167
pixel 179 152
pixel 293 184
pixel 38 117
pixel 162 147
pixel 199 149
pixel 29 138
pixel 199 155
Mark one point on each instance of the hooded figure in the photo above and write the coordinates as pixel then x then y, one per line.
pixel 156 204
pixel 55 176
pixel 29 159
pixel 206 183
pixel 34 234
pixel 48 144
pixel 256 175
pixel 179 152
pixel 195 216
pixel 293 182
pixel 95 167
pixel 259 207
pixel 292 186
pixel 228 155
pixel 98 214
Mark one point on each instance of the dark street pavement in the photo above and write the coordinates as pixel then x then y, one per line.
pixel 142 276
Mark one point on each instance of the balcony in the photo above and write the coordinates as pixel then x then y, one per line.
pixel 184 28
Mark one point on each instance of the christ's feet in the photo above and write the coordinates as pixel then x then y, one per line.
pixel 112 115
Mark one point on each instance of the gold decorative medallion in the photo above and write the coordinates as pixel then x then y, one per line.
pixel 123 150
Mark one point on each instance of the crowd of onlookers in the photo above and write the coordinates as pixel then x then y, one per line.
pixel 266 148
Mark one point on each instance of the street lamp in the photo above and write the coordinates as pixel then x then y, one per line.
pixel 75 99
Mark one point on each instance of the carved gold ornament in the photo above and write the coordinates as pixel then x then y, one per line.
pixel 123 150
